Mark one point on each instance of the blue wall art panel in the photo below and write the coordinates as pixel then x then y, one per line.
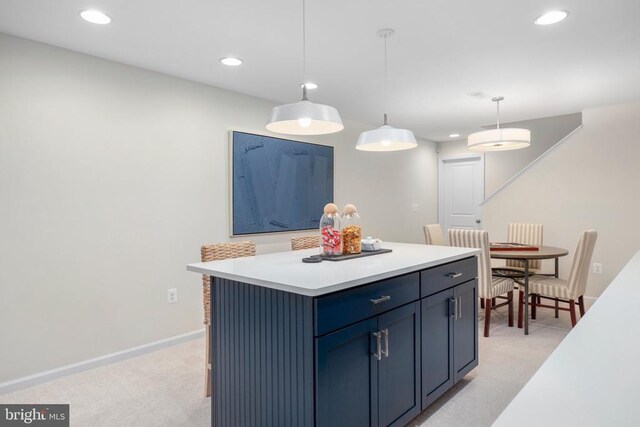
pixel 279 184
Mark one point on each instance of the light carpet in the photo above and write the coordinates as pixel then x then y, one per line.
pixel 165 388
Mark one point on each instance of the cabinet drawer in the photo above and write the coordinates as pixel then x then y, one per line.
pixel 344 308
pixel 445 276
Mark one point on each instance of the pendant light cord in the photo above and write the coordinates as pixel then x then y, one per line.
pixel 498 114
pixel 386 90
pixel 304 52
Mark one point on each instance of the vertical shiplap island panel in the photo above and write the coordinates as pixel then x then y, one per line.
pixel 263 378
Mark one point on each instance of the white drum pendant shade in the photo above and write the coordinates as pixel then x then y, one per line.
pixel 499 139
pixel 304 118
pixel 386 138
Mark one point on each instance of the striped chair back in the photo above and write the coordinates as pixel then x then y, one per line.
pixel 581 262
pixel 433 235
pixel 527 234
pixel 476 239
pixel 216 252
pixel 305 242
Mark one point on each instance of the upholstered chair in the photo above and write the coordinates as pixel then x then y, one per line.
pixel 216 252
pixel 527 234
pixel 489 287
pixel 305 242
pixel 433 235
pixel 566 291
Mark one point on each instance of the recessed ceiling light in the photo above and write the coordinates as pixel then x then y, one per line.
pixel 95 16
pixel 454 135
pixel 552 17
pixel 231 61
pixel 309 85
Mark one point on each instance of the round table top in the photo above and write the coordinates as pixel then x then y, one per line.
pixel 544 252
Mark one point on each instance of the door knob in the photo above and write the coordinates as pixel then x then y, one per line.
pixel 477 221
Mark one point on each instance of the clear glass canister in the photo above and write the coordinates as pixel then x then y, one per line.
pixel 330 231
pixel 351 231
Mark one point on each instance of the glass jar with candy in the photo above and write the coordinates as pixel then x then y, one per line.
pixel 330 231
pixel 351 231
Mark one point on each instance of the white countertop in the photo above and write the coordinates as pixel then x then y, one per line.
pixel 592 378
pixel 285 270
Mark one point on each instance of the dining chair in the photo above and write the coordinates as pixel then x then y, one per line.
pixel 527 234
pixel 305 242
pixel 216 252
pixel 489 286
pixel 566 291
pixel 433 235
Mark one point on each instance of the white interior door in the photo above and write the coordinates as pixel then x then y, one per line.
pixel 461 190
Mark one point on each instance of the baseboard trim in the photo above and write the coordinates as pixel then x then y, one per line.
pixel 74 368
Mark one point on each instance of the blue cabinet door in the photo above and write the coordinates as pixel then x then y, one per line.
pixel 465 330
pixel 399 367
pixel 347 377
pixel 437 345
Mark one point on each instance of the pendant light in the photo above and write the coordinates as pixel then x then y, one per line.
pixel 386 138
pixel 499 139
pixel 304 117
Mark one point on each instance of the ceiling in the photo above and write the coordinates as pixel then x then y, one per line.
pixel 443 50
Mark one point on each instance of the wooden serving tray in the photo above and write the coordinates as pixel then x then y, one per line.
pixel 502 246
pixel 360 255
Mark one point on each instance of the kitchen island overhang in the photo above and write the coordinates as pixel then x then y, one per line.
pixel 285 271
pixel 369 341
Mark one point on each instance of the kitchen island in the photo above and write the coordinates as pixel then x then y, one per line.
pixel 363 342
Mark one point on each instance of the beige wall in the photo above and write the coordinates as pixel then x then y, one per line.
pixel 501 166
pixel 111 177
pixel 592 180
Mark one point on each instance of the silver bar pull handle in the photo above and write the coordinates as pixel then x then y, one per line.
pixel 453 308
pixel 460 307
pixel 381 299
pixel 385 352
pixel 378 353
pixel 454 275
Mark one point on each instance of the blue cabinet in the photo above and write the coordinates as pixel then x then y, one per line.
pixel 346 376
pixel 373 355
pixel 399 366
pixel 437 345
pixel 449 339
pixel 465 330
pixel 368 374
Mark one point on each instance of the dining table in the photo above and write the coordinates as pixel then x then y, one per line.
pixel 542 252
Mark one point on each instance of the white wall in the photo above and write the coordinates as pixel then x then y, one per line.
pixel 111 177
pixel 500 166
pixel 592 180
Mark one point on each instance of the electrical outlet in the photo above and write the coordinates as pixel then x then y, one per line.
pixel 597 268
pixel 172 295
pixel 415 207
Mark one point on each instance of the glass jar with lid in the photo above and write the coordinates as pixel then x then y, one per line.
pixel 330 224
pixel 351 231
